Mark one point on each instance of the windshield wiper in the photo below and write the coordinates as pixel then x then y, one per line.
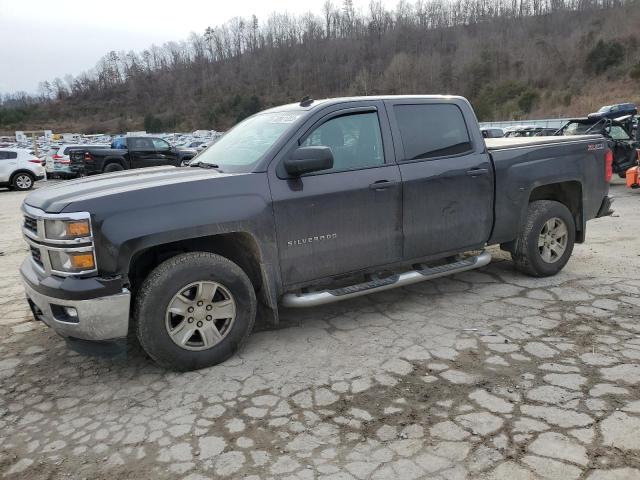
pixel 206 165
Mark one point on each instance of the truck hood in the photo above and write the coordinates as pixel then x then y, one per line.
pixel 56 198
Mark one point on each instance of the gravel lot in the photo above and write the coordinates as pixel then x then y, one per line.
pixel 485 375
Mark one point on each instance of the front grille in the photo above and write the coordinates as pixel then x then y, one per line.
pixel 37 257
pixel 31 224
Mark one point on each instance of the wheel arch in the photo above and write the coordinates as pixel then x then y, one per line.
pixel 570 194
pixel 109 160
pixel 240 247
pixel 22 170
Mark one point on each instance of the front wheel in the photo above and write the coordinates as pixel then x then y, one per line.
pixel 194 310
pixel 22 182
pixel 545 240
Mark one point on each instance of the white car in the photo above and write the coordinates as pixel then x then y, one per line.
pixel 58 163
pixel 19 169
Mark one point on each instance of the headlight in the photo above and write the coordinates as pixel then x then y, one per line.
pixel 66 229
pixel 72 262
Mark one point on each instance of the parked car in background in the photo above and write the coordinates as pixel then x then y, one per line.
pixel 546 132
pixel 618 135
pixel 492 132
pixel 530 131
pixel 19 169
pixel 615 111
pixel 58 163
pixel 127 153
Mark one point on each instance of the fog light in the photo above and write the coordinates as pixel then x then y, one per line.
pixel 71 312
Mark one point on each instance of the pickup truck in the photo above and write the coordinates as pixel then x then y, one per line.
pixel 127 153
pixel 298 206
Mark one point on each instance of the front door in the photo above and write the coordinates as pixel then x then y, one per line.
pixel 344 219
pixel 165 155
pixel 447 178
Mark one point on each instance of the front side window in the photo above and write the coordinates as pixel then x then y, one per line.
pixel 432 130
pixel 160 145
pixel 355 141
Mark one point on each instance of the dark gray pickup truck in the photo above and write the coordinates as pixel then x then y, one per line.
pixel 299 206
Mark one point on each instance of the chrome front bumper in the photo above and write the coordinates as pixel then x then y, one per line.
pixel 102 318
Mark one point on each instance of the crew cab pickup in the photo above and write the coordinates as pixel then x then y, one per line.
pixel 299 206
pixel 127 153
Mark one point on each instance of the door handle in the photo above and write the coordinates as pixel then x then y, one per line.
pixel 476 172
pixel 382 185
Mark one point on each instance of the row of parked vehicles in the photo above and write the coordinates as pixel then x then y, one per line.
pixel 617 123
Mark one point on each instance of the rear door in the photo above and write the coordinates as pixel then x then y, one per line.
pixel 344 219
pixel 142 153
pixel 447 177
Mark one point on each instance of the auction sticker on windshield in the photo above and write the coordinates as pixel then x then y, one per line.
pixel 284 118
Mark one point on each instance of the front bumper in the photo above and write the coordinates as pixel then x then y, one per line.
pixel 96 319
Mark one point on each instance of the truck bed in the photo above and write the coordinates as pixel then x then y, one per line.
pixel 517 142
pixel 522 163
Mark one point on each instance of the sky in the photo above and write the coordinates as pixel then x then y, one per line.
pixel 45 39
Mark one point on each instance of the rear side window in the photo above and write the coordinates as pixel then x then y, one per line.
pixel 432 130
pixel 8 155
pixel 143 144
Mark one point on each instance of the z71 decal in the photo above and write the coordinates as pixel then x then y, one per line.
pixel 595 146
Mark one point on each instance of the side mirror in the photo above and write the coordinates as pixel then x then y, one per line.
pixel 308 159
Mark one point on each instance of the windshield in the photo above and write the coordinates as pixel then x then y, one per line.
pixel 577 128
pixel 241 147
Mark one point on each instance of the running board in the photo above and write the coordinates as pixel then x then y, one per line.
pixel 312 299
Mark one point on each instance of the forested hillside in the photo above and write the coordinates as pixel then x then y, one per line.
pixel 511 58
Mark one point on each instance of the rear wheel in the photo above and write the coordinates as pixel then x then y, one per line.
pixel 22 181
pixel 113 167
pixel 194 310
pixel 546 238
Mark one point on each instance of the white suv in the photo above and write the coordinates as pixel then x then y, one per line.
pixel 19 169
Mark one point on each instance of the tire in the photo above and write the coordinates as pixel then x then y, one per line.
pixel 22 181
pixel 172 284
pixel 113 167
pixel 543 224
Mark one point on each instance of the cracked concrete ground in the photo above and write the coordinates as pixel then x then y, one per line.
pixel 485 375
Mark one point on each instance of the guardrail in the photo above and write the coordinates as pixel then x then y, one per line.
pixel 546 123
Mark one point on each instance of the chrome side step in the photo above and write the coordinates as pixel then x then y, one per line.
pixel 312 299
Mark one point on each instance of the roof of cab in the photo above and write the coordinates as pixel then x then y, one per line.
pixel 331 101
